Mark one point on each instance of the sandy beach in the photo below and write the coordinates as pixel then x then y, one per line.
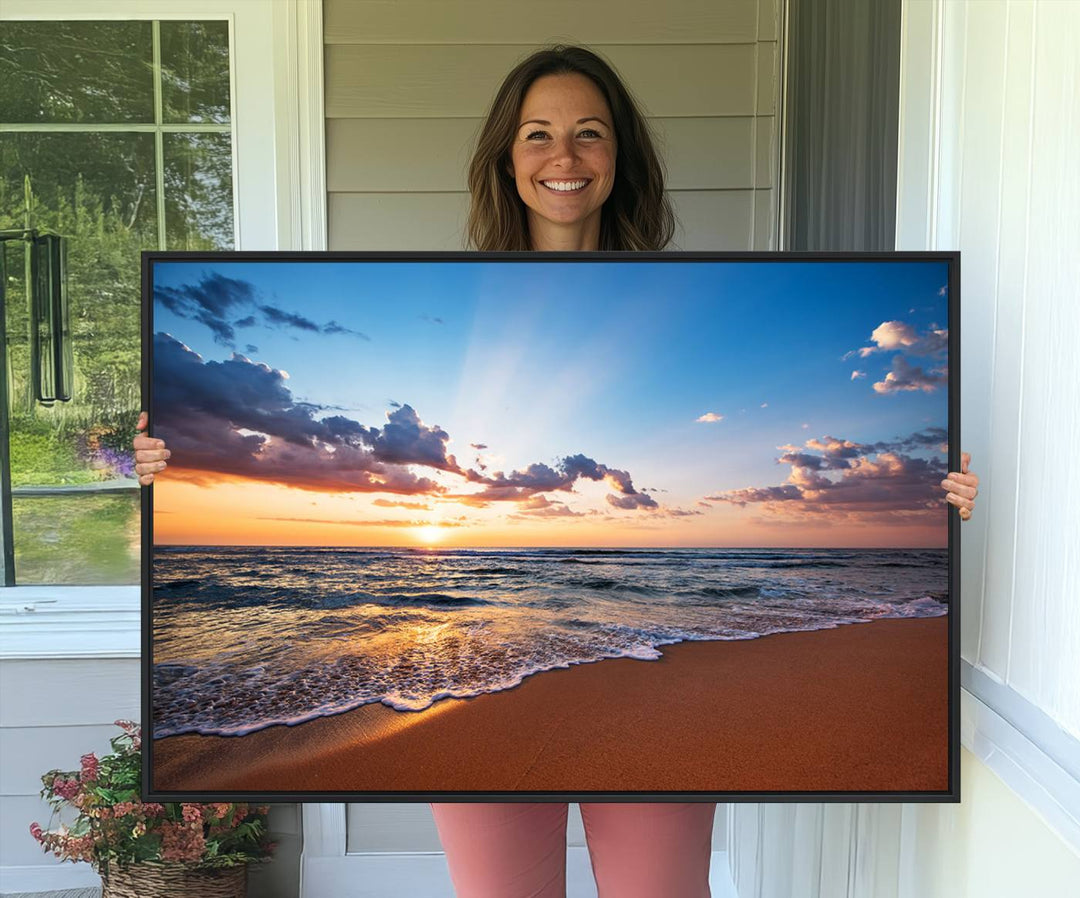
pixel 859 708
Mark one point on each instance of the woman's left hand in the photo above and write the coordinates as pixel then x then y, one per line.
pixel 962 487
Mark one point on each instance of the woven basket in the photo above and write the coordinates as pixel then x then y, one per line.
pixel 174 881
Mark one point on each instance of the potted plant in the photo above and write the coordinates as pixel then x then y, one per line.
pixel 144 848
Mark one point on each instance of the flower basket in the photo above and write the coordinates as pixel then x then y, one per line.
pixel 147 849
pixel 173 881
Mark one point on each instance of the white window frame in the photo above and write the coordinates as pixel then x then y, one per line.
pixel 279 198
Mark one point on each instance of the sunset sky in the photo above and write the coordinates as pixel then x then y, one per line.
pixel 551 403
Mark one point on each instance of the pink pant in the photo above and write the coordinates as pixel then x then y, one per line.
pixel 519 850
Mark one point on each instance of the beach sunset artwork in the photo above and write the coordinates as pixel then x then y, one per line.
pixel 610 525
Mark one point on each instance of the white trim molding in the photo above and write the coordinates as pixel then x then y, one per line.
pixel 299 112
pixel 1044 778
pixel 70 622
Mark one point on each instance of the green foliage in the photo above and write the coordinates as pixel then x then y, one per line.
pixel 114 827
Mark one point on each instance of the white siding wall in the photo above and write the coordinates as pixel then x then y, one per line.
pixel 408 83
pixel 989 150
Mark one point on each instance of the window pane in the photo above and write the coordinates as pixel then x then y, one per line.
pixel 195 71
pixel 98 191
pixel 76 72
pixel 198 192
pixel 81 540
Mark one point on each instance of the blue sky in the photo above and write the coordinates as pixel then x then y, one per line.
pixel 618 361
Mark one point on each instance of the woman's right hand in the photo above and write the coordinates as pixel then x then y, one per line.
pixel 150 454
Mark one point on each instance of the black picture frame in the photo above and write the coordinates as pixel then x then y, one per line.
pixel 950 793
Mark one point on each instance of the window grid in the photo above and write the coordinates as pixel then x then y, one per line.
pixel 159 128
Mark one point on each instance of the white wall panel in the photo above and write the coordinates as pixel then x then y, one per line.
pixel 1045 631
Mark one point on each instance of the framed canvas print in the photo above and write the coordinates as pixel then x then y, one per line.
pixel 593 526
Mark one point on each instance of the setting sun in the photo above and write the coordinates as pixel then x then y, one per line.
pixel 432 533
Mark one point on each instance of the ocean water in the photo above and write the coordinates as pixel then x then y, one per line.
pixel 245 638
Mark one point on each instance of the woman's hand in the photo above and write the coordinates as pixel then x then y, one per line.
pixel 962 487
pixel 150 454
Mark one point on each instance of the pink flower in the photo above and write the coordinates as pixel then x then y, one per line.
pixel 153 809
pixel 65 788
pixel 192 813
pixel 89 767
pixel 36 832
pixel 181 842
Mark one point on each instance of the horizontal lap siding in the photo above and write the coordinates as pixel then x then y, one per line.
pixel 408 83
pixel 524 22
pixel 53 712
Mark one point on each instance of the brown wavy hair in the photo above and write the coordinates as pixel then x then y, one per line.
pixel 636 216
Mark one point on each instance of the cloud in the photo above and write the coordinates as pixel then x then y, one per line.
pixel 899 336
pixel 281 318
pixel 238 418
pixel 432 319
pixel 764 405
pixel 709 418
pixel 542 507
pixel 633 501
pixel 405 439
pixel 479 447
pixel 209 302
pixel 905 377
pixel 927 440
pixel 251 348
pixel 835 448
pixel 412 506
pixel 216 299
pixel 855 375
pixel 865 482
pixel 541 478
pixel 332 327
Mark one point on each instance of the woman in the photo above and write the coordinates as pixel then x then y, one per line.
pixel 565 162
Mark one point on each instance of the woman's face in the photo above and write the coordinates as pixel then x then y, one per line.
pixel 563 154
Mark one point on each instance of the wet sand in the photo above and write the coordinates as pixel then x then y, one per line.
pixel 859 708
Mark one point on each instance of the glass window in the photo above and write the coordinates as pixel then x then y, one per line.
pixel 118 137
